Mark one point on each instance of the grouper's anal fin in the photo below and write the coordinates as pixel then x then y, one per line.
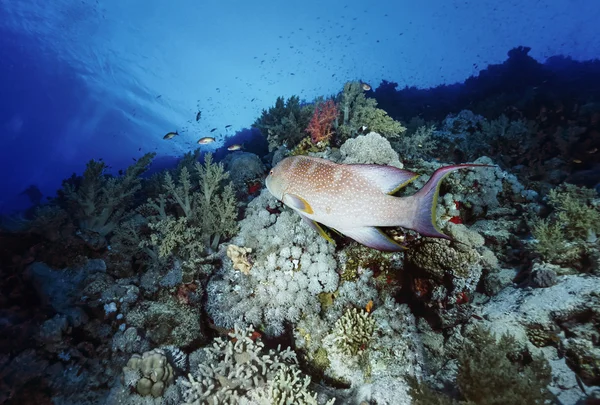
pixel 317 227
pixel 374 238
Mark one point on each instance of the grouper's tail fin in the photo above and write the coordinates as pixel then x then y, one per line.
pixel 424 220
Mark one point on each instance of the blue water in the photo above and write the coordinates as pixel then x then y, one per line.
pixel 90 79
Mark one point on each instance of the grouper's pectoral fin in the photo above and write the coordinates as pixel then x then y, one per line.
pixel 373 238
pixel 296 202
pixel 317 227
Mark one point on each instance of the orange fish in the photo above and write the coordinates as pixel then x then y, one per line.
pixel 369 306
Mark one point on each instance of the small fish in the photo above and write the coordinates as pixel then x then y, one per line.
pixel 365 86
pixel 576 161
pixel 198 116
pixel 170 135
pixel 355 200
pixel 237 146
pixel 592 151
pixel 206 140
pixel 213 130
pixel 369 306
pixel 362 129
pixel 228 126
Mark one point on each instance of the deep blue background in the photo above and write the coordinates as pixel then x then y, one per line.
pixel 90 79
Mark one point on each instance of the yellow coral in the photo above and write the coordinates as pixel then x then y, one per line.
pixel 238 256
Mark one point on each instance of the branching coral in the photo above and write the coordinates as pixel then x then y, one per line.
pixel 240 370
pixel 99 202
pixel 501 137
pixel 320 126
pixel 189 218
pixel 417 144
pixel 357 111
pixel 285 122
pixel 353 332
pixel 563 236
pixel 491 372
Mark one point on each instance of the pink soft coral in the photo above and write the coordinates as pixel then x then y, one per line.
pixel 320 127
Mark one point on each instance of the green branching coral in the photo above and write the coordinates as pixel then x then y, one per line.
pixel 418 143
pixel 98 202
pixel 549 239
pixel 356 110
pixel 285 123
pixel 189 217
pixel 502 137
pixel 353 332
pixel 574 210
pixel 494 372
pixel 175 236
pixel 575 221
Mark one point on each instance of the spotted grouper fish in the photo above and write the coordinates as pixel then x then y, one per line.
pixel 355 199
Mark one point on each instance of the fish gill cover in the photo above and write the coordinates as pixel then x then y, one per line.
pixel 143 259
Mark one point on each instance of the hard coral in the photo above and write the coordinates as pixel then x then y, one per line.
pixel 238 256
pixel 353 332
pixel 241 370
pixel 149 373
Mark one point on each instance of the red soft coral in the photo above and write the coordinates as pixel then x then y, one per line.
pixel 320 127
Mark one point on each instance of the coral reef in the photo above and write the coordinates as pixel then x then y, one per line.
pixel 371 148
pixel 243 371
pixel 418 144
pixel 182 287
pixel 149 373
pixel 493 371
pixel 99 202
pixel 320 126
pixel 292 265
pixel 357 111
pixel 244 168
pixel 285 122
pixel 568 235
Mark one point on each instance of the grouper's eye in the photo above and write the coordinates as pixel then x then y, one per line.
pixel 271 172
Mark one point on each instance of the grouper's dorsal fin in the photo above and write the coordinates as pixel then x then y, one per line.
pixel 317 227
pixel 388 179
pixel 298 203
